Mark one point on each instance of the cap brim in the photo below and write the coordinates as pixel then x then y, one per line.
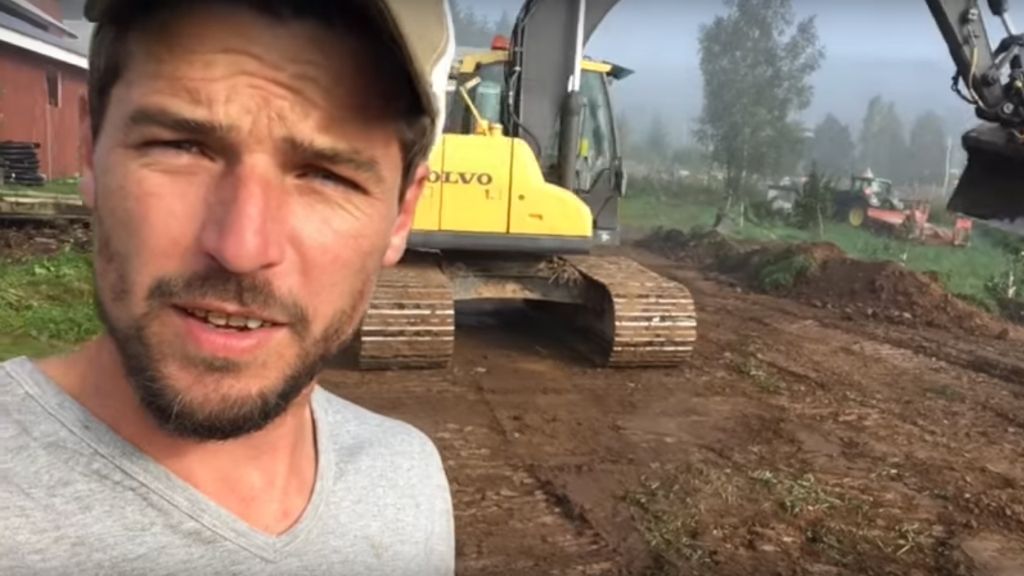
pixel 422 29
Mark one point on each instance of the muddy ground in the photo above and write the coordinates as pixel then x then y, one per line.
pixel 799 440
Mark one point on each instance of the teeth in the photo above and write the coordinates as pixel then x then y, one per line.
pixel 217 319
pixel 224 321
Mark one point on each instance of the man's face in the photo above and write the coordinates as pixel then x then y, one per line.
pixel 246 188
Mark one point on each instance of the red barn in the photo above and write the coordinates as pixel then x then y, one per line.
pixel 43 79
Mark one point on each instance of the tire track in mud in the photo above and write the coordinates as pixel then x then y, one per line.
pixel 508 521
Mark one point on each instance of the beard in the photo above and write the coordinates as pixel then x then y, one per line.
pixel 144 361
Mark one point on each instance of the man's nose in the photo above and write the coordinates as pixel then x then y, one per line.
pixel 245 224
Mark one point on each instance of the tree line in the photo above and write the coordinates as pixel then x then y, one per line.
pixel 757 61
pixel 884 146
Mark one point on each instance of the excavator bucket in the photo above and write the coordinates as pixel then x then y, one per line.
pixel 992 185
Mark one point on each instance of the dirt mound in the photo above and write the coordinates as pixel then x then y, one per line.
pixel 822 275
pixel 29 239
pixel 700 248
pixel 776 266
pixel 891 292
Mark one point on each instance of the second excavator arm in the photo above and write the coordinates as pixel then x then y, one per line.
pixel 992 185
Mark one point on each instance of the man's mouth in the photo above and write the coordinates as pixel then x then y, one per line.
pixel 224 321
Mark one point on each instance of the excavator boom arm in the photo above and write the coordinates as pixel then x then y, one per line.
pixel 993 82
pixel 987 74
pixel 546 47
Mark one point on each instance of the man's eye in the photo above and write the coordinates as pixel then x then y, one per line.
pixel 329 178
pixel 186 146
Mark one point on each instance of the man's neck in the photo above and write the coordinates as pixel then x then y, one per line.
pixel 265 478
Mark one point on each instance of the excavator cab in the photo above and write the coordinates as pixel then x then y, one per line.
pixel 484 73
pixel 489 188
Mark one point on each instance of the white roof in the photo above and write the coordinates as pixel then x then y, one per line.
pixel 27 30
pixel 32 14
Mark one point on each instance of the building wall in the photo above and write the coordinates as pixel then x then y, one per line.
pixel 27 115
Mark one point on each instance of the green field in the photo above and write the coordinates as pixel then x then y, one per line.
pixel 963 271
pixel 46 304
pixel 68 187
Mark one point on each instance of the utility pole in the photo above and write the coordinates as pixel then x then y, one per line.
pixel 945 175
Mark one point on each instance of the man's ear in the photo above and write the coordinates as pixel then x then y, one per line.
pixel 86 149
pixel 406 214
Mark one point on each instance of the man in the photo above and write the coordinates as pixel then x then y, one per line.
pixel 251 166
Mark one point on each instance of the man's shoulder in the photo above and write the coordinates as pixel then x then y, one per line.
pixel 12 368
pixel 17 377
pixel 355 428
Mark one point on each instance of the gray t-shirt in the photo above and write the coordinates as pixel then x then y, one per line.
pixel 75 498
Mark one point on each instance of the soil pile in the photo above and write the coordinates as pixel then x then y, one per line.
pixel 699 248
pixel 822 275
pixel 891 292
pixel 29 239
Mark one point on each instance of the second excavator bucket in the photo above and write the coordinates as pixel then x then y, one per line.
pixel 991 187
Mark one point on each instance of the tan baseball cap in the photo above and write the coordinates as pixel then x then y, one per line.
pixel 421 28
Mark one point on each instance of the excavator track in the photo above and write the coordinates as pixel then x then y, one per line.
pixel 647 320
pixel 624 315
pixel 410 323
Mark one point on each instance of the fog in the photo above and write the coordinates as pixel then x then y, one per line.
pixel 873 47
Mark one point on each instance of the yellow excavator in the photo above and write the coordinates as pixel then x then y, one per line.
pixel 528 175
pixel 524 188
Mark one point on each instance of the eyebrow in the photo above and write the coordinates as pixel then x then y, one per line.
pixel 153 117
pixel 296 147
pixel 351 159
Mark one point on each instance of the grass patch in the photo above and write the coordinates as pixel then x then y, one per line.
pixel 645 210
pixel 784 273
pixel 667 512
pixel 757 373
pixel 63 187
pixel 16 346
pixel 46 304
pixel 963 271
pixel 797 496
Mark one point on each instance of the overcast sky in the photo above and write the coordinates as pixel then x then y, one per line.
pixel 887 47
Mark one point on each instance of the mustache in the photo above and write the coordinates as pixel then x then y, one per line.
pixel 223 286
